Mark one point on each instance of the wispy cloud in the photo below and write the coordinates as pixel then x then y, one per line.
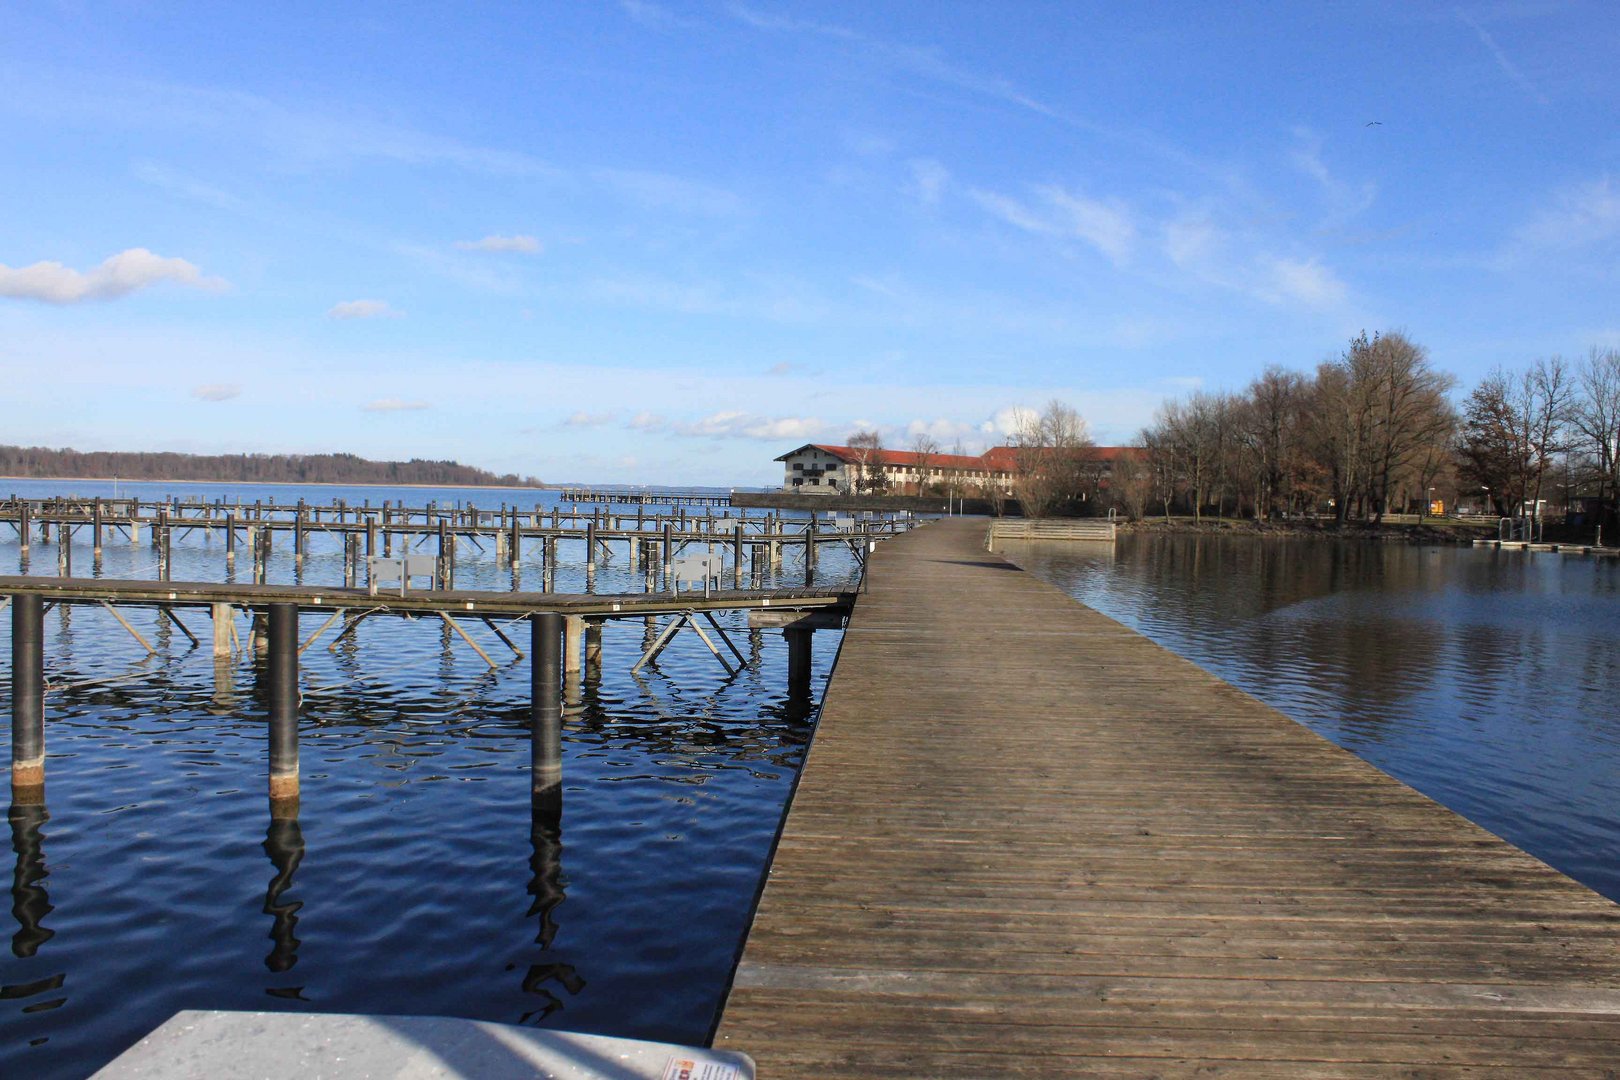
pixel 742 425
pixel 185 185
pixel 1342 199
pixel 363 309
pixel 1509 68
pixel 387 405
pixel 652 16
pixel 929 180
pixel 216 392
pixel 781 367
pixel 583 419
pixel 1105 225
pixel 1306 281
pixel 118 275
pixel 1579 216
pixel 520 244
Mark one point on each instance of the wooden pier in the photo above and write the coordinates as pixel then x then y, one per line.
pixel 635 496
pixel 756 543
pixel 1027 841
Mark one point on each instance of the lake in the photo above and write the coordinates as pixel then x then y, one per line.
pixel 1488 680
pixel 416 879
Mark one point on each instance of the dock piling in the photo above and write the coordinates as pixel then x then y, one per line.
pixel 28 699
pixel 283 675
pixel 545 706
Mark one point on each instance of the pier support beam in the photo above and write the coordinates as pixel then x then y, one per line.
pixel 545 708
pixel 799 655
pixel 224 616
pixel 593 649
pixel 28 699
pixel 283 710
pixel 573 642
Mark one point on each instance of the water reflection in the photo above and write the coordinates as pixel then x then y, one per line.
pixel 29 901
pixel 546 886
pixel 284 843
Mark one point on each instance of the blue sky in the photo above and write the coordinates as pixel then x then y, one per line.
pixel 659 242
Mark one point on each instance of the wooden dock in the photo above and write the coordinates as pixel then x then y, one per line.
pixel 1028 841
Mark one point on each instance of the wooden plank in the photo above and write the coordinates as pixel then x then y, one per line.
pixel 1029 842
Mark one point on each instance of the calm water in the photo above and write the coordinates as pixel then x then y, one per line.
pixel 416 880
pixel 1488 680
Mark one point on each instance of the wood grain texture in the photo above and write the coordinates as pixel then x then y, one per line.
pixel 1027 841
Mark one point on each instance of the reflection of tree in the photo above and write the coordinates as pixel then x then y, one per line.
pixel 284 843
pixel 29 901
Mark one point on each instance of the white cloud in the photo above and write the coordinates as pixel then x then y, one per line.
pixel 216 391
pixel 1308 281
pixel 1579 216
pixel 652 16
pixel 1509 68
pixel 119 275
pixel 524 245
pixel 646 421
pixel 394 405
pixel 363 309
pixel 741 425
pixel 780 368
pixel 582 419
pixel 928 181
pixel 1105 225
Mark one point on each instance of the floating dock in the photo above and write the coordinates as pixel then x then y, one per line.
pixel 1028 841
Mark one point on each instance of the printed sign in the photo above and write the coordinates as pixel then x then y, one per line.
pixel 688 1069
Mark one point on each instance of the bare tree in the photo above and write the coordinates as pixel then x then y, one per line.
pixel 1052 458
pixel 1132 481
pixel 926 449
pixel 867 449
pixel 1595 419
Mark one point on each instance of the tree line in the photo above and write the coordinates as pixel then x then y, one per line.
pixel 1375 431
pixel 41 462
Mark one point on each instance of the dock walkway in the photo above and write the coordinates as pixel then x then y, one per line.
pixel 1027 841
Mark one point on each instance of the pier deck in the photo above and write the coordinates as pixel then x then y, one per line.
pixel 1027 841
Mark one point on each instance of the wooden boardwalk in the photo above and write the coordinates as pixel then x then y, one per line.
pixel 1029 842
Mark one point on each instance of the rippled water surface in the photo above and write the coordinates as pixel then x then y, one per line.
pixel 416 879
pixel 1488 680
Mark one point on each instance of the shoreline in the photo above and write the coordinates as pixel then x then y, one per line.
pixel 270 483
pixel 1410 534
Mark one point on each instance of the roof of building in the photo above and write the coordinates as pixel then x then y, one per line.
pixel 1002 459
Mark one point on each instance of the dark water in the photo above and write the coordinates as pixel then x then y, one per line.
pixel 1490 681
pixel 416 879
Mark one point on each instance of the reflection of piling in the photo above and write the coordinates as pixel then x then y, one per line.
pixel 29 901
pixel 798 642
pixel 283 676
pixel 545 706
pixel 284 843
pixel 28 699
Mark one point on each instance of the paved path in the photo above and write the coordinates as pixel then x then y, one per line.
pixel 1030 842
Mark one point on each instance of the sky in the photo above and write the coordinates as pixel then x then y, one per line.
pixel 641 241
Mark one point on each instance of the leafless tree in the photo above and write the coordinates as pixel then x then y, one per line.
pixel 1595 418
pixel 867 449
pixel 1052 459
pixel 926 449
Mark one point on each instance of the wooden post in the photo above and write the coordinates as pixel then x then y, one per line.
pixel 230 538
pixel 590 546
pixel 28 699
pixel 64 551
pixel 283 673
pixel 224 615
pixel 737 557
pixel 573 635
pixel 298 532
pixel 95 529
pixel 545 706
pixel 799 656
pixel 444 556
pixel 351 556
pixel 593 649
pixel 165 550
pixel 514 546
pixel 22 527
pixel 371 535
pixel 810 552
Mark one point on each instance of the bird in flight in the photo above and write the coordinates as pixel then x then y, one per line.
pixel 1374 123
